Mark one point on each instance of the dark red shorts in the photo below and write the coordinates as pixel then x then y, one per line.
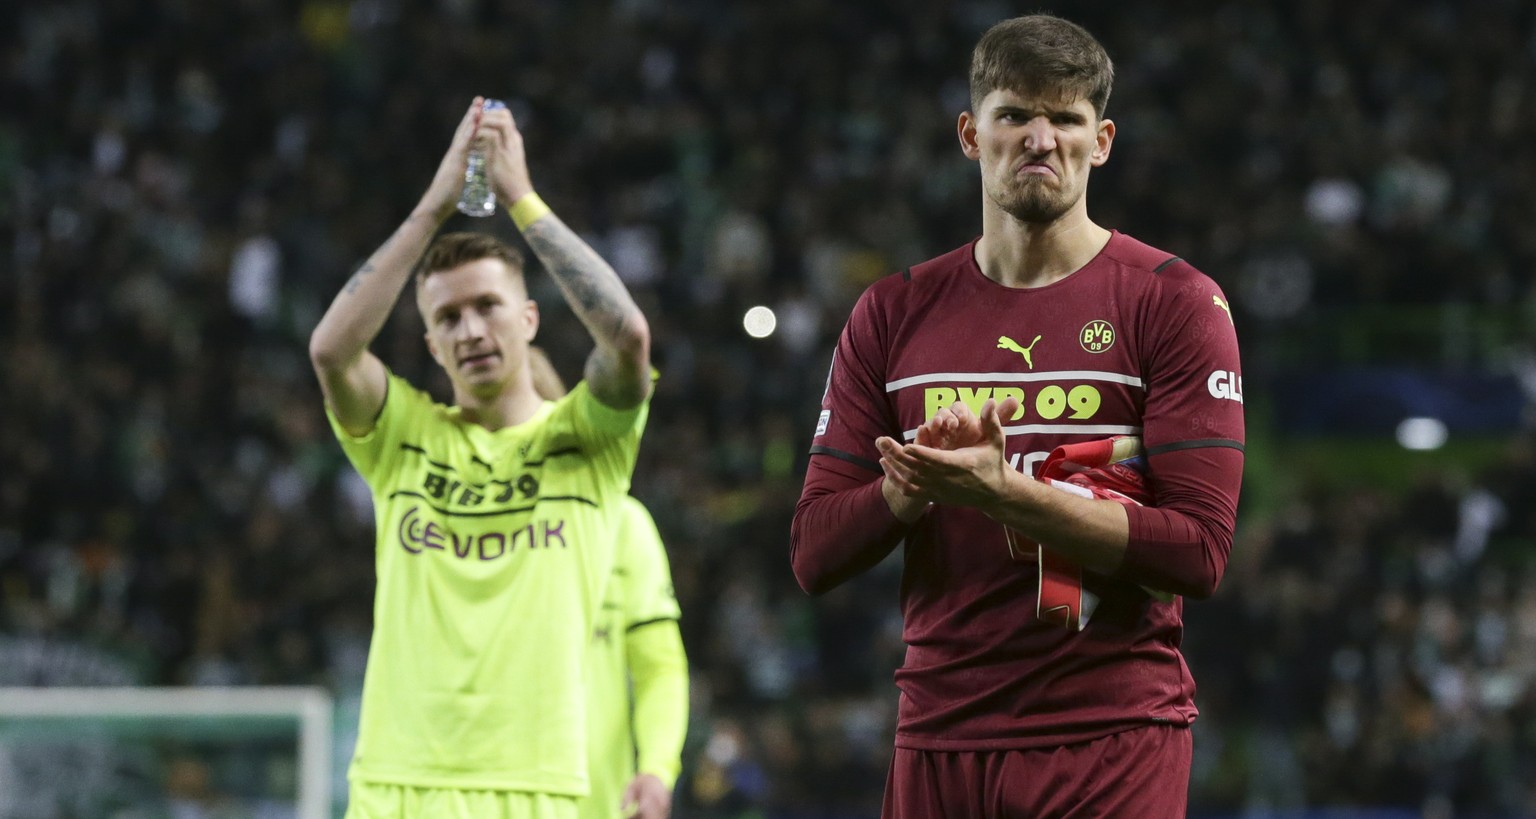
pixel 1137 774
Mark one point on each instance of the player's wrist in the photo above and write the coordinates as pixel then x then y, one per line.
pixel 666 781
pixel 436 212
pixel 527 207
pixel 1011 487
pixel 905 509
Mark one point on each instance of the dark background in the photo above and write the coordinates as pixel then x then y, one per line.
pixel 184 186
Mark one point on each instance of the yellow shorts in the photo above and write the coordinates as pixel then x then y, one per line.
pixel 373 800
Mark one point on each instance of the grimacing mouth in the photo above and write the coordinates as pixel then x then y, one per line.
pixel 1018 169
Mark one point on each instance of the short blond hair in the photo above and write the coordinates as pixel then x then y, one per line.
pixel 452 250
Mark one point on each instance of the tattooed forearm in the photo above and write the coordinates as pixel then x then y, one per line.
pixel 359 311
pixel 592 288
pixel 618 372
pixel 357 278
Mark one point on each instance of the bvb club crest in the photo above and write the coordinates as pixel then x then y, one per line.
pixel 1097 336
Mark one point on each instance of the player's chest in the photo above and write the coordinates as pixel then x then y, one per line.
pixel 537 516
pixel 461 475
pixel 1070 367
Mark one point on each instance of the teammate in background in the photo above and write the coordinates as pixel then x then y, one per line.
pixel 637 673
pixel 494 515
pixel 950 381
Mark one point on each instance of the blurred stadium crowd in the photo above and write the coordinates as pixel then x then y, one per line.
pixel 184 186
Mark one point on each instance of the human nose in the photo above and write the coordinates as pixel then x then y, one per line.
pixel 471 327
pixel 1039 136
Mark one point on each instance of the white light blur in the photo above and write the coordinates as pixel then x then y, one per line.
pixel 759 322
pixel 1422 433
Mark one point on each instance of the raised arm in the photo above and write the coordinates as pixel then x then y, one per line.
pixel 351 377
pixel 619 370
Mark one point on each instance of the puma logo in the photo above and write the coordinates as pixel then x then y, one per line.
pixel 1216 300
pixel 1006 343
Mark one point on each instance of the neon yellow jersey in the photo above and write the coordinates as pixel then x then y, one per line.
pixel 493 550
pixel 640 593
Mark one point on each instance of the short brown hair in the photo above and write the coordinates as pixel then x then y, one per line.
pixel 1042 53
pixel 453 249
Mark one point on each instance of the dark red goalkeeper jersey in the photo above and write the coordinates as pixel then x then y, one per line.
pixel 1137 342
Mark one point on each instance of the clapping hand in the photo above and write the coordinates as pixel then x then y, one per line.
pixel 507 162
pixel 957 457
pixel 443 193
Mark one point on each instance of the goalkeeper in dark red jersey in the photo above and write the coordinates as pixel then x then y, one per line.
pixel 950 384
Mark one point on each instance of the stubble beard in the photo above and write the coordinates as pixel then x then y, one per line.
pixel 484 384
pixel 488 389
pixel 1030 200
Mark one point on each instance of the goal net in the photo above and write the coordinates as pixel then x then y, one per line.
pixel 259 752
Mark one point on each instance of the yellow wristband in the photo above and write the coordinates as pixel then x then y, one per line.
pixel 527 210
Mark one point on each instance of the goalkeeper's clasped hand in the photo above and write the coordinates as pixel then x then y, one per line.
pixel 957 457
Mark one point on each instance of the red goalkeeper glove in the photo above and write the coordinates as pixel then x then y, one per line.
pixel 1109 469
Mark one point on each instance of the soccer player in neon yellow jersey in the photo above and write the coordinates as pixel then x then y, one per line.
pixel 637 672
pixel 495 515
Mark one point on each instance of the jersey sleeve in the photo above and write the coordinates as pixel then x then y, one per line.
pixel 855 409
pixel 649 596
pixel 842 524
pixel 653 645
pixel 375 453
pixel 659 669
pixel 1194 436
pixel 612 436
pixel 1194 378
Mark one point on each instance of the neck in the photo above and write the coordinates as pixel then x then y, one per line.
pixel 510 406
pixel 1014 253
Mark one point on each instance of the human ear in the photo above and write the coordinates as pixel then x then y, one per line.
pixel 531 318
pixel 1103 141
pixel 966 130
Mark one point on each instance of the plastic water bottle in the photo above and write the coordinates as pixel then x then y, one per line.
pixel 478 199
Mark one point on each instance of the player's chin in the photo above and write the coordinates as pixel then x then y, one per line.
pixel 484 382
pixel 1033 210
